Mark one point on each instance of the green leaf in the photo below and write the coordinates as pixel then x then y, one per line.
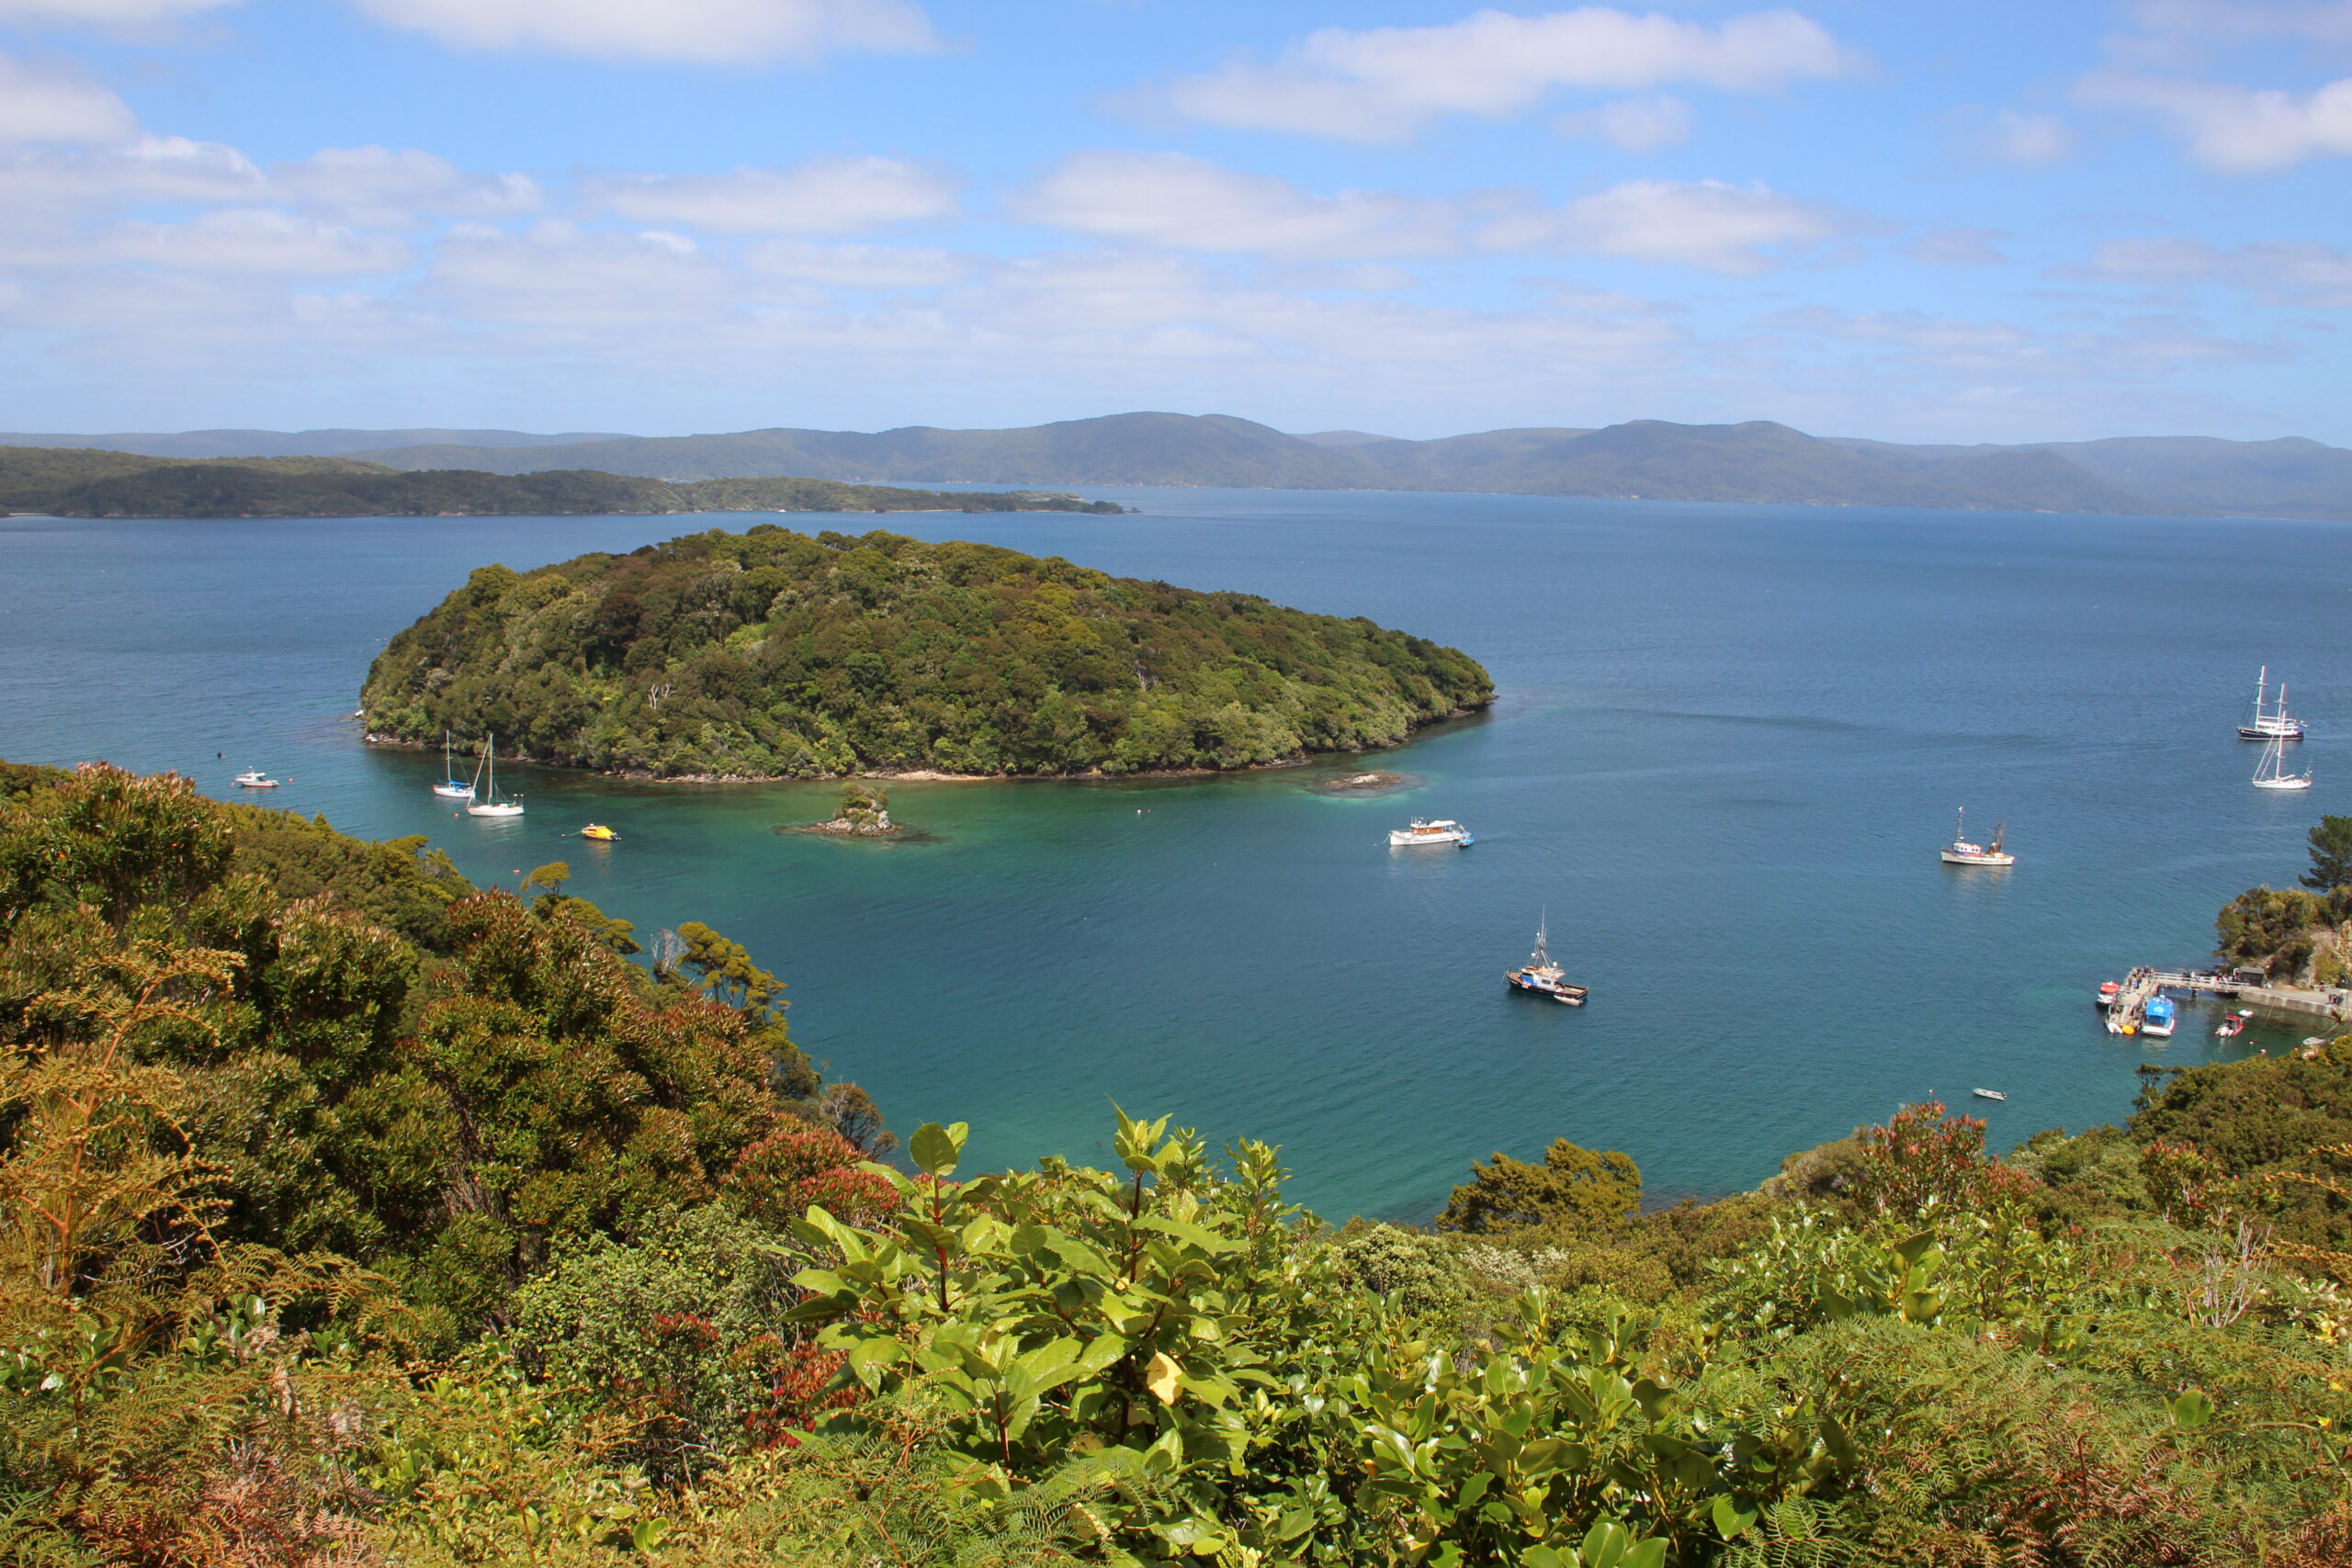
pixel 1730 1518
pixel 1649 1553
pixel 1185 1231
pixel 936 1149
pixel 1603 1545
pixel 2191 1410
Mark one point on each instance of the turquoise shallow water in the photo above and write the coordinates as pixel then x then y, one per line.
pixel 1729 742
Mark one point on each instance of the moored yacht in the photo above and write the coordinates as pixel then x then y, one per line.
pixel 490 804
pixel 254 778
pixel 2271 771
pixel 1441 831
pixel 451 787
pixel 2266 725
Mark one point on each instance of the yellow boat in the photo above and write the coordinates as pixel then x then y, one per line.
pixel 594 830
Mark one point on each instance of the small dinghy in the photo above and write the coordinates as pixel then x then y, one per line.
pixel 1989 1094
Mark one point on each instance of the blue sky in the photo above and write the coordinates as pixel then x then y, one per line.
pixel 1916 222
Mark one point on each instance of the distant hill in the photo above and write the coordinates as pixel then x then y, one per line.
pixel 1756 461
pixel 68 483
pixel 292 443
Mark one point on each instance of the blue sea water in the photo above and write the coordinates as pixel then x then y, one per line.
pixel 1729 742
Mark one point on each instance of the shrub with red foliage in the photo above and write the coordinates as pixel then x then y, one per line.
pixel 775 1179
pixel 1924 1153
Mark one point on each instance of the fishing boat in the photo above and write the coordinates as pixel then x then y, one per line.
pixel 451 787
pixel 487 803
pixel 1989 1094
pixel 2271 771
pixel 2159 1018
pixel 254 778
pixel 2108 991
pixel 598 831
pixel 1539 976
pixel 1959 851
pixel 1441 831
pixel 2233 1024
pixel 2267 725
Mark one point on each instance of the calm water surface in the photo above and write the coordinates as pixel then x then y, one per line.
pixel 1729 742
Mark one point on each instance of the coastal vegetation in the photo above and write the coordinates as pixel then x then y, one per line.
pixel 72 483
pixel 2298 935
pixel 773 654
pixel 351 1214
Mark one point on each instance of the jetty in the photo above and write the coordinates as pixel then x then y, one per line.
pixel 2247 986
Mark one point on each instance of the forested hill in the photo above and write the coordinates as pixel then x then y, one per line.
pixel 773 654
pixel 74 482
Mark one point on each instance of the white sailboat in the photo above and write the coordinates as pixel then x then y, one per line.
pixel 2267 725
pixel 1959 851
pixel 451 787
pixel 2271 771
pixel 488 804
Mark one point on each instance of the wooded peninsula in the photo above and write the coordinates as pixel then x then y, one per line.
pixel 773 654
pixel 77 482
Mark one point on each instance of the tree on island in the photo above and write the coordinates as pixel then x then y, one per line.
pixel 864 808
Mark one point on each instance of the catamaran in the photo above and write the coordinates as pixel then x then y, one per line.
pixel 2266 725
pixel 451 787
pixel 2271 771
pixel 489 805
pixel 1539 976
pixel 1959 851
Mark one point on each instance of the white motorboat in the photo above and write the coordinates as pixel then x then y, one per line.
pixel 2160 1017
pixel 2266 725
pixel 254 778
pixel 1441 831
pixel 2271 771
pixel 1539 976
pixel 1959 851
pixel 2108 991
pixel 489 805
pixel 1990 1094
pixel 451 787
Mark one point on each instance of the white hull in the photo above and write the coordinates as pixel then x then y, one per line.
pixel 2161 1031
pixel 2282 783
pixel 499 808
pixel 1956 857
pixel 454 792
pixel 1441 832
pixel 1990 1094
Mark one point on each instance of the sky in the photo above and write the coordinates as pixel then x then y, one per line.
pixel 1916 221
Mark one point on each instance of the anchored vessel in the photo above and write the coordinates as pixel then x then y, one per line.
pixel 490 804
pixel 451 787
pixel 2271 771
pixel 598 831
pixel 2233 1024
pixel 2160 1017
pixel 2108 991
pixel 1990 1094
pixel 1542 977
pixel 2267 725
pixel 254 778
pixel 1441 831
pixel 1959 851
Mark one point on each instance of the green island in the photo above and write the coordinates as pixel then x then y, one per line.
pixel 351 1214
pixel 771 654
pixel 89 482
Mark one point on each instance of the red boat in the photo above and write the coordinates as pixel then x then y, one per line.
pixel 2232 1025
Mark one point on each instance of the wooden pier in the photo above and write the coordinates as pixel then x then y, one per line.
pixel 2143 985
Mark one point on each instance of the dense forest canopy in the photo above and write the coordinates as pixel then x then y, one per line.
pixel 79 482
pixel 351 1216
pixel 773 654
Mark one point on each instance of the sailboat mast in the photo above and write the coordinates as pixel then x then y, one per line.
pixel 2261 686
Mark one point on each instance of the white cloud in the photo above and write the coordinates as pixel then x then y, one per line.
pixel 558 275
pixel 1957 247
pixel 1637 124
pixel 2238 129
pixel 1707 223
pixel 377 187
pixel 1385 84
pixel 2325 21
pixel 1185 203
pixel 824 195
pixel 707 32
pixel 256 240
pixel 2027 138
pixel 2278 272
pixel 100 12
pixel 857 267
pixel 45 104
pixel 154 168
